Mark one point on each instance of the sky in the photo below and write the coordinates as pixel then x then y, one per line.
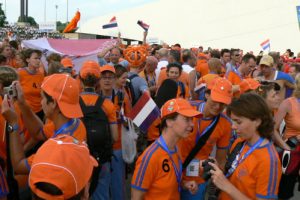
pixel 88 8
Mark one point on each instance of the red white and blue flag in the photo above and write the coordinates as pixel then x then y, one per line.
pixel 112 23
pixel 144 112
pixel 265 44
pixel 143 25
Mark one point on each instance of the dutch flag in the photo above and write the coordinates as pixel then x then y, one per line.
pixel 112 23
pixel 144 112
pixel 265 44
pixel 143 25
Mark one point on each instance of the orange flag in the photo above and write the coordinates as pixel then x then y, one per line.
pixel 73 24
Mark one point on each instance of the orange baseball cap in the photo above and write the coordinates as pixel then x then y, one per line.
pixel 59 161
pixel 248 84
pixel 180 106
pixel 67 62
pixel 65 90
pixel 107 68
pixel 220 90
pixel 90 67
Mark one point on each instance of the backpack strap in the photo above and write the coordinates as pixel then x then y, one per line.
pixel 182 88
pixel 201 142
pixel 87 109
pixel 133 98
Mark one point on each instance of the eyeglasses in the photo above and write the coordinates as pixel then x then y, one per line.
pixel 108 78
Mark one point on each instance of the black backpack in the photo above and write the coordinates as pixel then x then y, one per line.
pixel 99 138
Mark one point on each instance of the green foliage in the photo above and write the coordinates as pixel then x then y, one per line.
pixel 3 21
pixel 60 26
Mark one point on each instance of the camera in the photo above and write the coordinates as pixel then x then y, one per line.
pixel 206 169
pixel 10 91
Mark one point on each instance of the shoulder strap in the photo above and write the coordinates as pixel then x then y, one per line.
pixel 182 88
pixel 231 156
pixel 201 142
pixel 86 108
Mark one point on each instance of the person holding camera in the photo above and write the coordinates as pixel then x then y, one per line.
pixel 158 170
pixel 215 127
pixel 255 170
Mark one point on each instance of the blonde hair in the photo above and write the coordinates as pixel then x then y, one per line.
pixel 297 88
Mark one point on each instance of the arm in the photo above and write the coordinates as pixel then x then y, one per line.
pixel 145 37
pixel 114 131
pixel 289 84
pixel 282 112
pixel 192 84
pixel 137 194
pixel 15 144
pixel 221 157
pixel 31 121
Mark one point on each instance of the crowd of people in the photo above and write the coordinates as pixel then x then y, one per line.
pixel 226 119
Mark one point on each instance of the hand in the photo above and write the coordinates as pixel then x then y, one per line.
pixel 218 178
pixel 8 112
pixel 20 95
pixel 192 186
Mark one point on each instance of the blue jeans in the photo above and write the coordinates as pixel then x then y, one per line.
pixel 200 195
pixel 102 190
pixel 117 176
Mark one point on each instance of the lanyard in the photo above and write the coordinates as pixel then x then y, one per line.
pixel 178 172
pixel 199 135
pixel 63 127
pixel 237 72
pixel 237 159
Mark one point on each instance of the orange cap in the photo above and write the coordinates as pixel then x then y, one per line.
pixel 67 62
pixel 107 68
pixel 202 55
pixel 90 67
pixel 59 161
pixel 180 106
pixel 248 84
pixel 64 89
pixel 220 90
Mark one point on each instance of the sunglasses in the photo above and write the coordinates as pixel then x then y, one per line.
pixel 237 55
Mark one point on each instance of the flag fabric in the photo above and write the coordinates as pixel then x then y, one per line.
pixel 143 25
pixel 73 24
pixel 144 112
pixel 112 23
pixel 298 15
pixel 265 44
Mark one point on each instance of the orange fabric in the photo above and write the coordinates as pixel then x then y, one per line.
pixel 149 175
pixel 107 68
pixel 73 24
pixel 180 106
pixel 90 67
pixel 58 162
pixel 220 137
pixel 135 55
pixel 184 77
pixel 31 85
pixel 234 78
pixel 12 62
pixel 221 90
pixel 258 176
pixel 292 119
pixel 79 133
pixel 107 106
pixel 248 84
pixel 179 92
pixel 64 89
pixel 202 67
pixel 67 62
pixel 127 108
pixel 207 78
pixel 153 131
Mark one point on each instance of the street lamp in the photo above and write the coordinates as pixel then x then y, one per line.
pixel 67 11
pixel 56 7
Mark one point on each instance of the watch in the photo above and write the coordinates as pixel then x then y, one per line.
pixel 12 128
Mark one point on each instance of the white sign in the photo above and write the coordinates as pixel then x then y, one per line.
pixel 47 26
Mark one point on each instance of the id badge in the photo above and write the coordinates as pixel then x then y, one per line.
pixel 193 168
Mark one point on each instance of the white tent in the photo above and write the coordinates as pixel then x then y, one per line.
pixel 215 23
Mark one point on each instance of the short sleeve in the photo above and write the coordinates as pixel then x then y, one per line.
pixel 224 141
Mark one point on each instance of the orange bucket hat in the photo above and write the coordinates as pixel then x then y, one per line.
pixel 180 106
pixel 221 90
pixel 90 67
pixel 64 89
pixel 59 161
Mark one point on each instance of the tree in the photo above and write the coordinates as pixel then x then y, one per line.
pixel 3 21
pixel 29 20
pixel 60 26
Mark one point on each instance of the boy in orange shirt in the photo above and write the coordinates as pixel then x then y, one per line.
pixel 158 170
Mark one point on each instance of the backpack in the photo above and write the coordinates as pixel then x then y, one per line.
pixel 130 90
pixel 99 138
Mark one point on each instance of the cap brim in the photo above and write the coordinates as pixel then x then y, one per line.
pixel 70 110
pixel 220 98
pixel 190 113
pixel 265 63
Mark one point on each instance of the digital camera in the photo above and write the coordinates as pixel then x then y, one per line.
pixel 10 91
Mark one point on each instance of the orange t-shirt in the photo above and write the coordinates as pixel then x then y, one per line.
pixel 292 119
pixel 180 93
pixel 31 85
pixel 220 137
pixel 234 78
pixel 12 62
pixel 202 67
pixel 207 78
pixel 258 176
pixel 126 108
pixel 184 77
pixel 153 130
pixel 155 174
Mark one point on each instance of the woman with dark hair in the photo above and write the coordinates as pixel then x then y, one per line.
pixel 255 170
pixel 167 91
